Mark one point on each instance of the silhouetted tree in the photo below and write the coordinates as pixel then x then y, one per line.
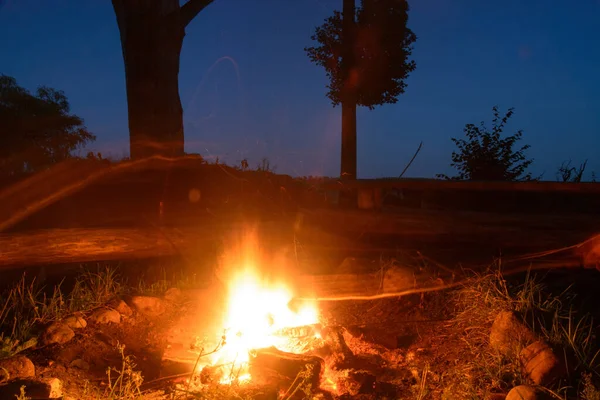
pixel 567 173
pixel 365 52
pixel 36 130
pixel 487 156
pixel 152 34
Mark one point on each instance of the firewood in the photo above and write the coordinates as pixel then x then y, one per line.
pixel 272 366
pixel 334 337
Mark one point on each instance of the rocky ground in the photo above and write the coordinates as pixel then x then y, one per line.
pixel 490 339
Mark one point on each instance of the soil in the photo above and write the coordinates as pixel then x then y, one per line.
pixel 144 339
pixel 402 347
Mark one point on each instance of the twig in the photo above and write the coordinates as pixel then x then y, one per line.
pixel 411 160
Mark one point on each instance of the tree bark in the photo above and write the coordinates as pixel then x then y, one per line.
pixel 152 34
pixel 348 156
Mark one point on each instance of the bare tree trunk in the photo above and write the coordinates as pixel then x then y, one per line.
pixel 152 34
pixel 348 156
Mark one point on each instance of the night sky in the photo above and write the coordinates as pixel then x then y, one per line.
pixel 249 91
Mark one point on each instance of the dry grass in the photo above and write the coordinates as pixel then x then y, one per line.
pixel 484 371
pixel 27 306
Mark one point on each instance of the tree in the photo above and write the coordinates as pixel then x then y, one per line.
pixel 486 156
pixel 36 130
pixel 366 55
pixel 152 34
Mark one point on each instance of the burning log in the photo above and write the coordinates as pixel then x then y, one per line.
pixel 300 332
pixel 274 367
pixel 334 337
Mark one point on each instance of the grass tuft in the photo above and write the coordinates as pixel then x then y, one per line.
pixel 27 306
pixel 485 371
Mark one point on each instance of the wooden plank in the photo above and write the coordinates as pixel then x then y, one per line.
pixel 438 184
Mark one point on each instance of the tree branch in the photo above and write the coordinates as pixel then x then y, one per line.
pixel 192 8
pixel 411 160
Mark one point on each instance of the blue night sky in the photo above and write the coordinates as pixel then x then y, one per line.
pixel 249 91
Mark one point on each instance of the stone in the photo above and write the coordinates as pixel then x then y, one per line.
pixel 57 333
pixel 16 367
pixel 48 388
pixel 149 306
pixel 122 308
pixel 75 322
pixel 541 364
pixel 525 392
pixel 173 295
pixel 80 364
pixel 398 279
pixel 356 265
pixel 106 316
pixel 509 335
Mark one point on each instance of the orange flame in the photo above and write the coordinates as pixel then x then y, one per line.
pixel 257 308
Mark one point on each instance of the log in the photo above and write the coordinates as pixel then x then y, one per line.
pixel 61 246
pixel 272 366
pixel 76 245
pixel 316 231
pixel 343 356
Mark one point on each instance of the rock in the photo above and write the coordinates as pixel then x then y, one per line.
pixel 122 308
pixel 75 322
pixel 541 364
pixel 80 364
pixel 57 333
pixel 66 354
pixel 16 367
pixel 355 265
pixel 398 279
pixel 173 295
pixel 106 316
pixel 149 306
pixel 107 339
pixel 509 334
pixel 50 388
pixel 525 392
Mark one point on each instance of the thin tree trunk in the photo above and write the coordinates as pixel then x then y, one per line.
pixel 348 156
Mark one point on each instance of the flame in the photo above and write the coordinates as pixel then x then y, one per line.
pixel 256 311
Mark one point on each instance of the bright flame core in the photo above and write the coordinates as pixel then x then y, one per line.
pixel 256 314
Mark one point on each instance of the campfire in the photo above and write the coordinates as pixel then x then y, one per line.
pixel 258 316
pixel 265 337
pixel 268 334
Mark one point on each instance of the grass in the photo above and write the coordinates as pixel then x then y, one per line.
pixel 157 287
pixel 124 383
pixel 27 306
pixel 485 371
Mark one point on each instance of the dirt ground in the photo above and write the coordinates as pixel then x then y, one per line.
pixel 402 347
